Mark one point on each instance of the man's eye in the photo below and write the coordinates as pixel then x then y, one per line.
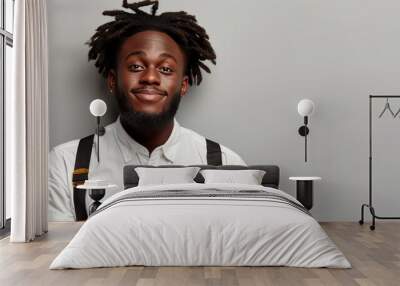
pixel 166 70
pixel 135 67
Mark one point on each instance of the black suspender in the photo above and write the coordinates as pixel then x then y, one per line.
pixel 80 174
pixel 214 155
pixel 82 162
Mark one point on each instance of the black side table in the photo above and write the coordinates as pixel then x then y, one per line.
pixel 97 190
pixel 304 190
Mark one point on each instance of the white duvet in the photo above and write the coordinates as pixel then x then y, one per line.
pixel 200 231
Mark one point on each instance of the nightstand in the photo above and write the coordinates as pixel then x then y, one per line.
pixel 97 190
pixel 304 190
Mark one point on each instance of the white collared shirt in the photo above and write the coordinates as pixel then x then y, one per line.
pixel 117 149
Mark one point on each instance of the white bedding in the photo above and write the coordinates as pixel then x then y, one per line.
pixel 182 231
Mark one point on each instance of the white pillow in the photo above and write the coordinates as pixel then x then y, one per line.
pixel 162 176
pixel 249 177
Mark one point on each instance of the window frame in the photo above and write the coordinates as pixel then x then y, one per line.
pixel 6 39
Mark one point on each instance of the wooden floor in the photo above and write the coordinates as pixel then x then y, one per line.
pixel 375 256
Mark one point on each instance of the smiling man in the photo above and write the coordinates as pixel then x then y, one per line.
pixel 149 61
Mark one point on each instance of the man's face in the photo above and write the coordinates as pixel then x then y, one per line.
pixel 149 74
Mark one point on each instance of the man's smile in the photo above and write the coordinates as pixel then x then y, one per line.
pixel 148 95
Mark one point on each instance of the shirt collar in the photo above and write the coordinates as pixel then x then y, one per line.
pixel 129 147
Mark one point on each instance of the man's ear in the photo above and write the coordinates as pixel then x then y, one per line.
pixel 184 85
pixel 111 81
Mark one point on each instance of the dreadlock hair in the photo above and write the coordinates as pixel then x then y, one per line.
pixel 182 27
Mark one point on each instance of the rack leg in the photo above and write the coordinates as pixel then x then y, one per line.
pixel 372 210
pixel 374 216
pixel 361 221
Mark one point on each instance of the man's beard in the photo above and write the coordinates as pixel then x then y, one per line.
pixel 143 122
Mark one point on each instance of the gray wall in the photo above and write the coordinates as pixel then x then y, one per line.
pixel 270 55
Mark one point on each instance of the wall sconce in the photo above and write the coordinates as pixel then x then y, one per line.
pixel 305 108
pixel 98 108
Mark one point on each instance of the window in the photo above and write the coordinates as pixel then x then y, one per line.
pixel 6 61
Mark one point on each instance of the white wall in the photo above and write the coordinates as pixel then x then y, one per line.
pixel 270 54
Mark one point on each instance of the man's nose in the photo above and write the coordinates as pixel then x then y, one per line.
pixel 150 76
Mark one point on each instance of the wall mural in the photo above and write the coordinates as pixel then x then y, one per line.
pixel 148 61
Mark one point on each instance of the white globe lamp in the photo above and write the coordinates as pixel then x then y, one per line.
pixel 305 107
pixel 98 107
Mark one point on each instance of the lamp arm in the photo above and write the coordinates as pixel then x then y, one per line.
pixel 303 131
pixel 98 138
pixel 305 138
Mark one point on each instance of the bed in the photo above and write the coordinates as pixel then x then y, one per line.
pixel 201 224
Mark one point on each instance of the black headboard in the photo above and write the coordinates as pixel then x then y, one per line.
pixel 270 179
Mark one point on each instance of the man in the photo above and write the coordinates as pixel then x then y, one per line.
pixel 149 62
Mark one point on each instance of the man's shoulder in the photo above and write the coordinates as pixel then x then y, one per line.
pixel 69 148
pixel 66 147
pixel 192 136
pixel 230 157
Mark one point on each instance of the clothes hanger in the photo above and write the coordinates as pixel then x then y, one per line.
pixel 397 113
pixel 387 106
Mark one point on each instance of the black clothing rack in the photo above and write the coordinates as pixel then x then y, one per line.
pixel 369 205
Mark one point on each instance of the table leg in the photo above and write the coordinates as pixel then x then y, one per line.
pixel 96 195
pixel 304 193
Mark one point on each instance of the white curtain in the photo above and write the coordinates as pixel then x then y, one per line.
pixel 27 123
